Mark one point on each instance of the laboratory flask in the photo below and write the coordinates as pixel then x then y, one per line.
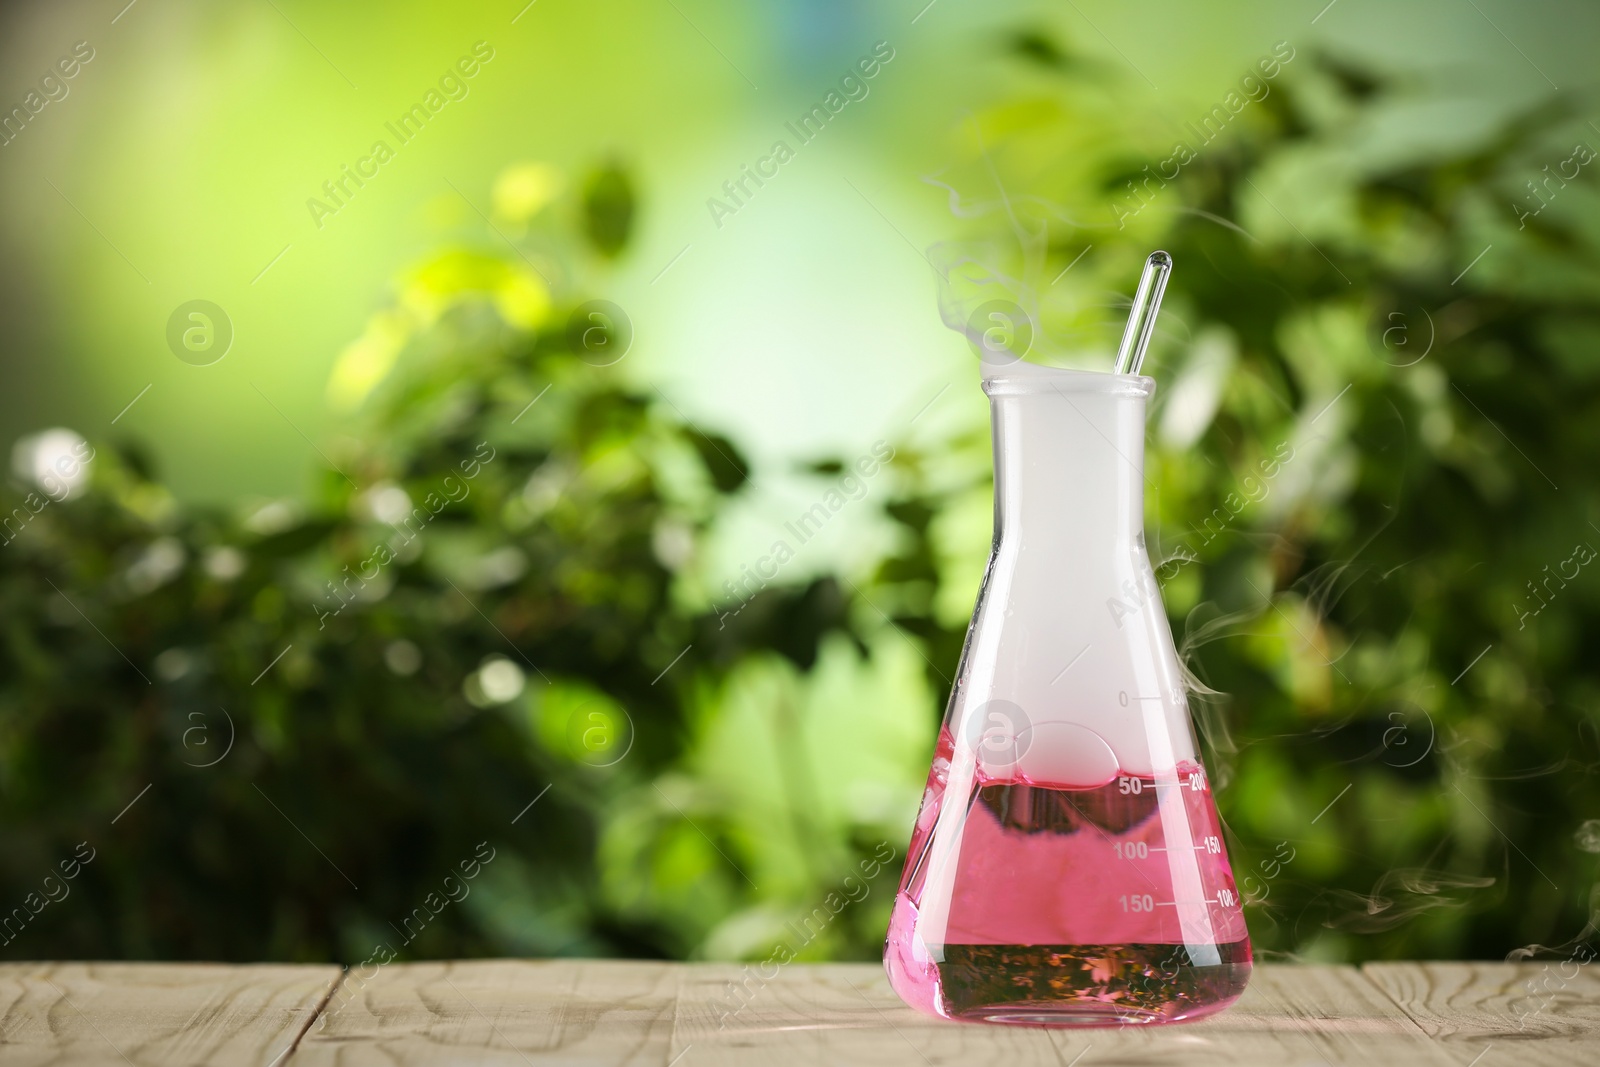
pixel 1067 865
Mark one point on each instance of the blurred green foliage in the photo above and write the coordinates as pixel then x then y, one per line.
pixel 478 637
pixel 1371 481
pixel 336 704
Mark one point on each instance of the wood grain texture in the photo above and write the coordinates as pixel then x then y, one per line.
pixel 847 1014
pixel 1537 1013
pixel 513 1012
pixel 499 1012
pixel 612 1012
pixel 130 1015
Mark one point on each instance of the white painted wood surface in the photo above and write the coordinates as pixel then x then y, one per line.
pixel 513 1012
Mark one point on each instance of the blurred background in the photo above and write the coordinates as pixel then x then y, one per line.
pixel 405 404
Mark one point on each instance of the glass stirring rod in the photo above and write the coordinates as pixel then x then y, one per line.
pixel 1142 317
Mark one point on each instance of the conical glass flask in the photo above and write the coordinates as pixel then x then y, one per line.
pixel 1067 865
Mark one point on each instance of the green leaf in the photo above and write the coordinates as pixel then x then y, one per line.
pixel 608 209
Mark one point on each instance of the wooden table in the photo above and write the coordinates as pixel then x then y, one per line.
pixel 515 1012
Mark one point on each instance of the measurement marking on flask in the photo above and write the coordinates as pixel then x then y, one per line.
pixel 1123 697
pixel 1127 784
pixel 1224 897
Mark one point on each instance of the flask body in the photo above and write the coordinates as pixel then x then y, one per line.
pixel 1067 866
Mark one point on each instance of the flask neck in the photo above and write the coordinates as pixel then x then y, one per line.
pixel 1069 465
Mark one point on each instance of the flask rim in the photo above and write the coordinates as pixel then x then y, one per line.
pixel 1022 379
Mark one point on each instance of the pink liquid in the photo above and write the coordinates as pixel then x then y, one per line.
pixel 1107 904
